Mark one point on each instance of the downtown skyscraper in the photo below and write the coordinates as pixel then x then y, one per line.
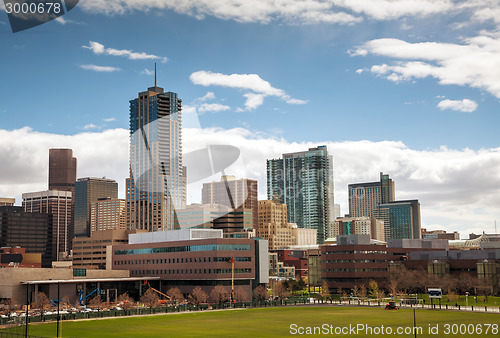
pixel 304 182
pixel 157 183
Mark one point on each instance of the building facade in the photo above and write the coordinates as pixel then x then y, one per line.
pixel 59 204
pixel 62 170
pixel 194 257
pixel 304 182
pixel 273 225
pixel 7 201
pixel 238 220
pixel 91 252
pixel 157 183
pixel 31 230
pixel 403 217
pixel 87 191
pixel 232 193
pixel 199 215
pixel 364 198
pixel 359 225
pixel 108 214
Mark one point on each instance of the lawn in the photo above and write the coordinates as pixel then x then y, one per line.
pixel 271 322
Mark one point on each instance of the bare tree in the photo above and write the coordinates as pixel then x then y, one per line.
pixel 149 298
pixel 175 295
pixel 393 287
pixel 41 303
pixel 125 301
pixel 198 296
pixel 362 291
pixel 219 294
pixel 325 290
pixel 240 295
pixel 280 290
pixel 355 291
pixel 260 293
pixel 96 303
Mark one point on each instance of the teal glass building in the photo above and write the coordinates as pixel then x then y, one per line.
pixel 304 182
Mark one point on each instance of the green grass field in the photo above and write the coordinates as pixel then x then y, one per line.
pixel 269 322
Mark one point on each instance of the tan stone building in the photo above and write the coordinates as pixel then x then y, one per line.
pixel 90 252
pixel 108 214
pixel 7 201
pixel 273 225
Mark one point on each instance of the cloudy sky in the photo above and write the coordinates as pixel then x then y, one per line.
pixel 407 87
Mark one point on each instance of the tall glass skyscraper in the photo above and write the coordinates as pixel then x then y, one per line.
pixel 157 183
pixel 304 182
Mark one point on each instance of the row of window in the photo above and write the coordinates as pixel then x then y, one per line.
pixel 356 261
pixel 188 271
pixel 355 252
pixel 183 260
pixel 355 270
pixel 187 248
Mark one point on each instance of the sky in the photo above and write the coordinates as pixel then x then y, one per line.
pixel 410 88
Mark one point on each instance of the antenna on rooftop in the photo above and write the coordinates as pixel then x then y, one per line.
pixel 155 74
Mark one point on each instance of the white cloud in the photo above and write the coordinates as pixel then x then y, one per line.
pixel 89 126
pixel 147 72
pixel 208 96
pixel 95 68
pixel 263 11
pixel 465 105
pixel 458 189
pixel 253 82
pixel 99 48
pixel 109 119
pixel 475 63
pixel 390 9
pixel 215 107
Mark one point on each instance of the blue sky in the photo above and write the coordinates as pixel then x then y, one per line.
pixel 404 87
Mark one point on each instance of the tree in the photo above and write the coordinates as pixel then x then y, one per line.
pixel 260 293
pixel 198 296
pixel 41 303
pixel 240 295
pixel 362 291
pixel 393 288
pixel 125 301
pixel 373 290
pixel 280 290
pixel 96 302
pixel 175 295
pixel 355 291
pixel 149 298
pixel 325 289
pixel 219 294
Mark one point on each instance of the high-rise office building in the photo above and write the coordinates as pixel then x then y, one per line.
pixel 108 214
pixel 304 182
pixel 59 204
pixel 364 198
pixel 7 201
pixel 157 183
pixel 273 225
pixel 62 170
pixel 403 217
pixel 232 193
pixel 32 231
pixel 87 191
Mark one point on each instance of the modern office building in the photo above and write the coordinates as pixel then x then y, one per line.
pixel 199 215
pixel 59 204
pixel 62 170
pixel 403 217
pixel 304 237
pixel 157 183
pixel 7 201
pixel 108 214
pixel 232 193
pixel 17 257
pixel 273 225
pixel 359 225
pixel 87 191
pixel 295 258
pixel 239 220
pixel 32 231
pixel 304 182
pixel 440 234
pixel 364 198
pixel 195 257
pixel 90 252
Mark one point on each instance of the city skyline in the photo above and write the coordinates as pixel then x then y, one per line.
pixel 397 89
